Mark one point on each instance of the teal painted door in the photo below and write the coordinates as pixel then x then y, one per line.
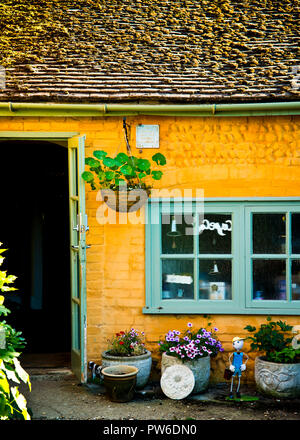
pixel 78 226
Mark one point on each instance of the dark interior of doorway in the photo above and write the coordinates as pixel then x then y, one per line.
pixel 34 227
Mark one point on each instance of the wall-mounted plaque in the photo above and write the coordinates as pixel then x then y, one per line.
pixel 147 136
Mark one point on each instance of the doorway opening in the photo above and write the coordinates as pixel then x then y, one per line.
pixel 34 227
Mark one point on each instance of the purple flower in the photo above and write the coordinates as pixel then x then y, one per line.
pixel 190 324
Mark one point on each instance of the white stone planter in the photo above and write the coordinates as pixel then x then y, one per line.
pixel 142 362
pixel 277 380
pixel 200 368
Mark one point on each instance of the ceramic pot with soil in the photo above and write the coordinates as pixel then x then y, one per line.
pixel 143 362
pixel 119 382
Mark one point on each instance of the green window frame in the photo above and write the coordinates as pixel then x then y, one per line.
pixel 242 257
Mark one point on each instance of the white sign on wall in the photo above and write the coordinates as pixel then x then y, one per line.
pixel 147 136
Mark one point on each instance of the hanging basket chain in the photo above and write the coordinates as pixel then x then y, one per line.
pixel 128 147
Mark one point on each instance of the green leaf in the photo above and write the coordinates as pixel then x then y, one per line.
pixel 122 158
pixel 109 162
pixel 126 170
pixel 133 161
pixel 4 385
pixel 109 175
pixel 143 164
pixel 23 375
pixel 91 162
pixel 19 398
pixel 101 176
pixel 156 175
pixel 142 175
pixel 159 159
pixel 100 154
pixel 87 176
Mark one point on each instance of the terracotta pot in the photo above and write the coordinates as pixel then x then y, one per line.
pixel 277 380
pixel 200 368
pixel 125 200
pixel 143 362
pixel 119 382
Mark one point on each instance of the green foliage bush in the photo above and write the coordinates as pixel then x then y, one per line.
pixel 12 403
pixel 112 172
pixel 274 339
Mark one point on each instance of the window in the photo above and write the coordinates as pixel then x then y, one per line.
pixel 230 257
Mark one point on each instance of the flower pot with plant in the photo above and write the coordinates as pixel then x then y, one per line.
pixel 128 348
pixel 193 348
pixel 125 181
pixel 277 371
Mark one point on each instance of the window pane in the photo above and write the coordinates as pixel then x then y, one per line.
pixel 296 280
pixel 215 234
pixel 296 233
pixel 269 234
pixel 215 279
pixel 269 280
pixel 177 279
pixel 177 234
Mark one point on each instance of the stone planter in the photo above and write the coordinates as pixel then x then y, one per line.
pixel 277 380
pixel 142 362
pixel 200 368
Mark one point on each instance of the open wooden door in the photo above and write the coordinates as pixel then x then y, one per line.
pixel 78 227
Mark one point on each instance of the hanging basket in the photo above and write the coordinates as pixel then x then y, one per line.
pixel 125 200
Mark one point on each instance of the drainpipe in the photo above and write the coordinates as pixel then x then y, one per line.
pixel 212 110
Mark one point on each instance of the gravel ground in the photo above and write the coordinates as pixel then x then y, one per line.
pixel 60 397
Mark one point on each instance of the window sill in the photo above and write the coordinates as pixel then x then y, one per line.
pixel 192 310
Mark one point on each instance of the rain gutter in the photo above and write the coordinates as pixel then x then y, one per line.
pixel 23 109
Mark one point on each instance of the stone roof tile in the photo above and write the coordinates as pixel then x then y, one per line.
pixel 162 50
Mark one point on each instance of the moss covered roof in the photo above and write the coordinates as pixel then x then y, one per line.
pixel 161 50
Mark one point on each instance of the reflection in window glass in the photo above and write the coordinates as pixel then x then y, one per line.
pixel 296 280
pixel 215 279
pixel 269 280
pixel 215 234
pixel 177 234
pixel 177 279
pixel 269 233
pixel 296 233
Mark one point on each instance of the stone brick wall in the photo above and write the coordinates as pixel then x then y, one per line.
pixel 227 157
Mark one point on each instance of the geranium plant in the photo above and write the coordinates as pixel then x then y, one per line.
pixel 274 339
pixel 127 343
pixel 191 344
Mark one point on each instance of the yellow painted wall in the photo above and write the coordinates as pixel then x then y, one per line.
pixel 227 157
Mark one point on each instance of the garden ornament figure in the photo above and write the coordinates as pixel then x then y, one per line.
pixel 237 366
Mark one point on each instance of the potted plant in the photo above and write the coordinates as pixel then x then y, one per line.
pixel 128 348
pixel 124 180
pixel 277 372
pixel 193 348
